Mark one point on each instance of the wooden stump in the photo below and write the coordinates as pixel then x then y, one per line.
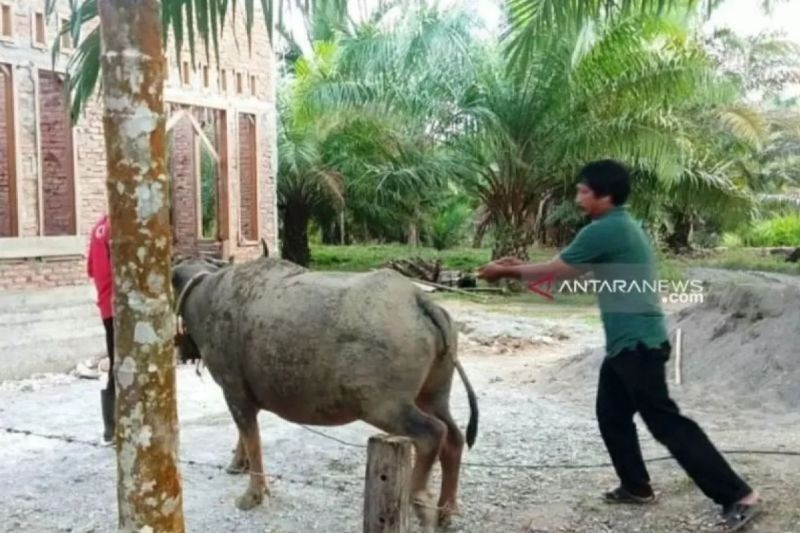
pixel 387 485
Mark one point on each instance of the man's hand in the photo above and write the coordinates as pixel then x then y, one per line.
pixel 492 272
pixel 510 267
pixel 499 269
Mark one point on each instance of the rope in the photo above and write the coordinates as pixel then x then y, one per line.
pixel 516 466
pixel 189 462
pixel 194 280
pixel 330 437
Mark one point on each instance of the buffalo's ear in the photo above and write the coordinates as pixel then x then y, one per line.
pixel 265 247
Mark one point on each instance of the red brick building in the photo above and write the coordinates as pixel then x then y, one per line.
pixel 221 140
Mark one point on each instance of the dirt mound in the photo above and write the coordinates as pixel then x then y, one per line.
pixel 742 345
pixel 744 339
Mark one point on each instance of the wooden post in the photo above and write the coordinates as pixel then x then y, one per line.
pixel 387 487
pixel 678 357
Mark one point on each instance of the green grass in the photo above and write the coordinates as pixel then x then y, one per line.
pixel 361 258
pixel 739 259
pixel 781 231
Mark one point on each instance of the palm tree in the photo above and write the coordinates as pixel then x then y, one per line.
pixel 740 158
pixel 387 105
pixel 306 180
pixel 608 89
pixel 531 19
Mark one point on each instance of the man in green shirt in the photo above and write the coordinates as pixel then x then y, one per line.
pixel 633 375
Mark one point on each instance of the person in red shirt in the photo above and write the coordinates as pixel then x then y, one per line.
pixel 98 267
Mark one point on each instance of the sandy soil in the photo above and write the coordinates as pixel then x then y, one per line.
pixel 536 413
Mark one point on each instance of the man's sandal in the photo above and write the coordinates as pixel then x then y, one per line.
pixel 738 515
pixel 620 495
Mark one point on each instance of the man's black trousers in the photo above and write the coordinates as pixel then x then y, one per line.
pixel 635 381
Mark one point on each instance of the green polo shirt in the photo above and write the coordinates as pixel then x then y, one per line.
pixel 617 251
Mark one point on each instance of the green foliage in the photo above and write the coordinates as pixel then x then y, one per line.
pixel 448 223
pixel 368 257
pixel 746 259
pixel 732 240
pixel 783 231
pixel 382 118
pixel 208 193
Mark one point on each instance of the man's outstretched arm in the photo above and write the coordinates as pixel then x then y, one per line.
pixel 555 268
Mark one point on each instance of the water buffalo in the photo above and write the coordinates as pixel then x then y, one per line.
pixel 327 349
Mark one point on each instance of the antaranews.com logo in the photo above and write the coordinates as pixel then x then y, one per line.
pixel 629 288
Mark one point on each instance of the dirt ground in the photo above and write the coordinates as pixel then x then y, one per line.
pixel 531 468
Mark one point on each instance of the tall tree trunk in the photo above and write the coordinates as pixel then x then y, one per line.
pixel 480 233
pixel 539 229
pixel 413 236
pixel 681 234
pixel 294 246
pixel 148 480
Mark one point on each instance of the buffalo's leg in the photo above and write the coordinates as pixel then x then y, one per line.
pixel 427 433
pixel 239 463
pixel 435 400
pixel 450 458
pixel 245 414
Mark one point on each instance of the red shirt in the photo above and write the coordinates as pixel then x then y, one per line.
pixel 98 266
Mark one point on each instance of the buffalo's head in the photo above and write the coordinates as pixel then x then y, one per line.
pixel 184 271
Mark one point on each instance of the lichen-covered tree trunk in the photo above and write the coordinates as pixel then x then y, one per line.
pixel 149 482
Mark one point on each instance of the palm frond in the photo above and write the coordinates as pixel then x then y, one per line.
pixel 531 19
pixel 744 123
pixel 84 66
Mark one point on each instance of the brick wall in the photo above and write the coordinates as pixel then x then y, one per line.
pixel 40 274
pixel 90 166
pixel 247 173
pixel 5 155
pixel 56 156
pixel 182 174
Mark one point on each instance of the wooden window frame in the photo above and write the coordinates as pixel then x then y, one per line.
pixel 256 217
pixel 186 73
pixel 10 7
pixel 65 37
pixel 222 80
pixel 11 148
pixel 223 162
pixel 205 71
pixel 35 14
pixel 73 149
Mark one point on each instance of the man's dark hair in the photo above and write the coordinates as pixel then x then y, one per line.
pixel 607 178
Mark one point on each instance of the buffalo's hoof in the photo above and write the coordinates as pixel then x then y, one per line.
pixel 446 513
pixel 426 511
pixel 238 467
pixel 250 499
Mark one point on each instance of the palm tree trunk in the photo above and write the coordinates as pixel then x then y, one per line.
pixel 413 235
pixel 681 234
pixel 148 480
pixel 294 246
pixel 511 241
pixel 480 233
